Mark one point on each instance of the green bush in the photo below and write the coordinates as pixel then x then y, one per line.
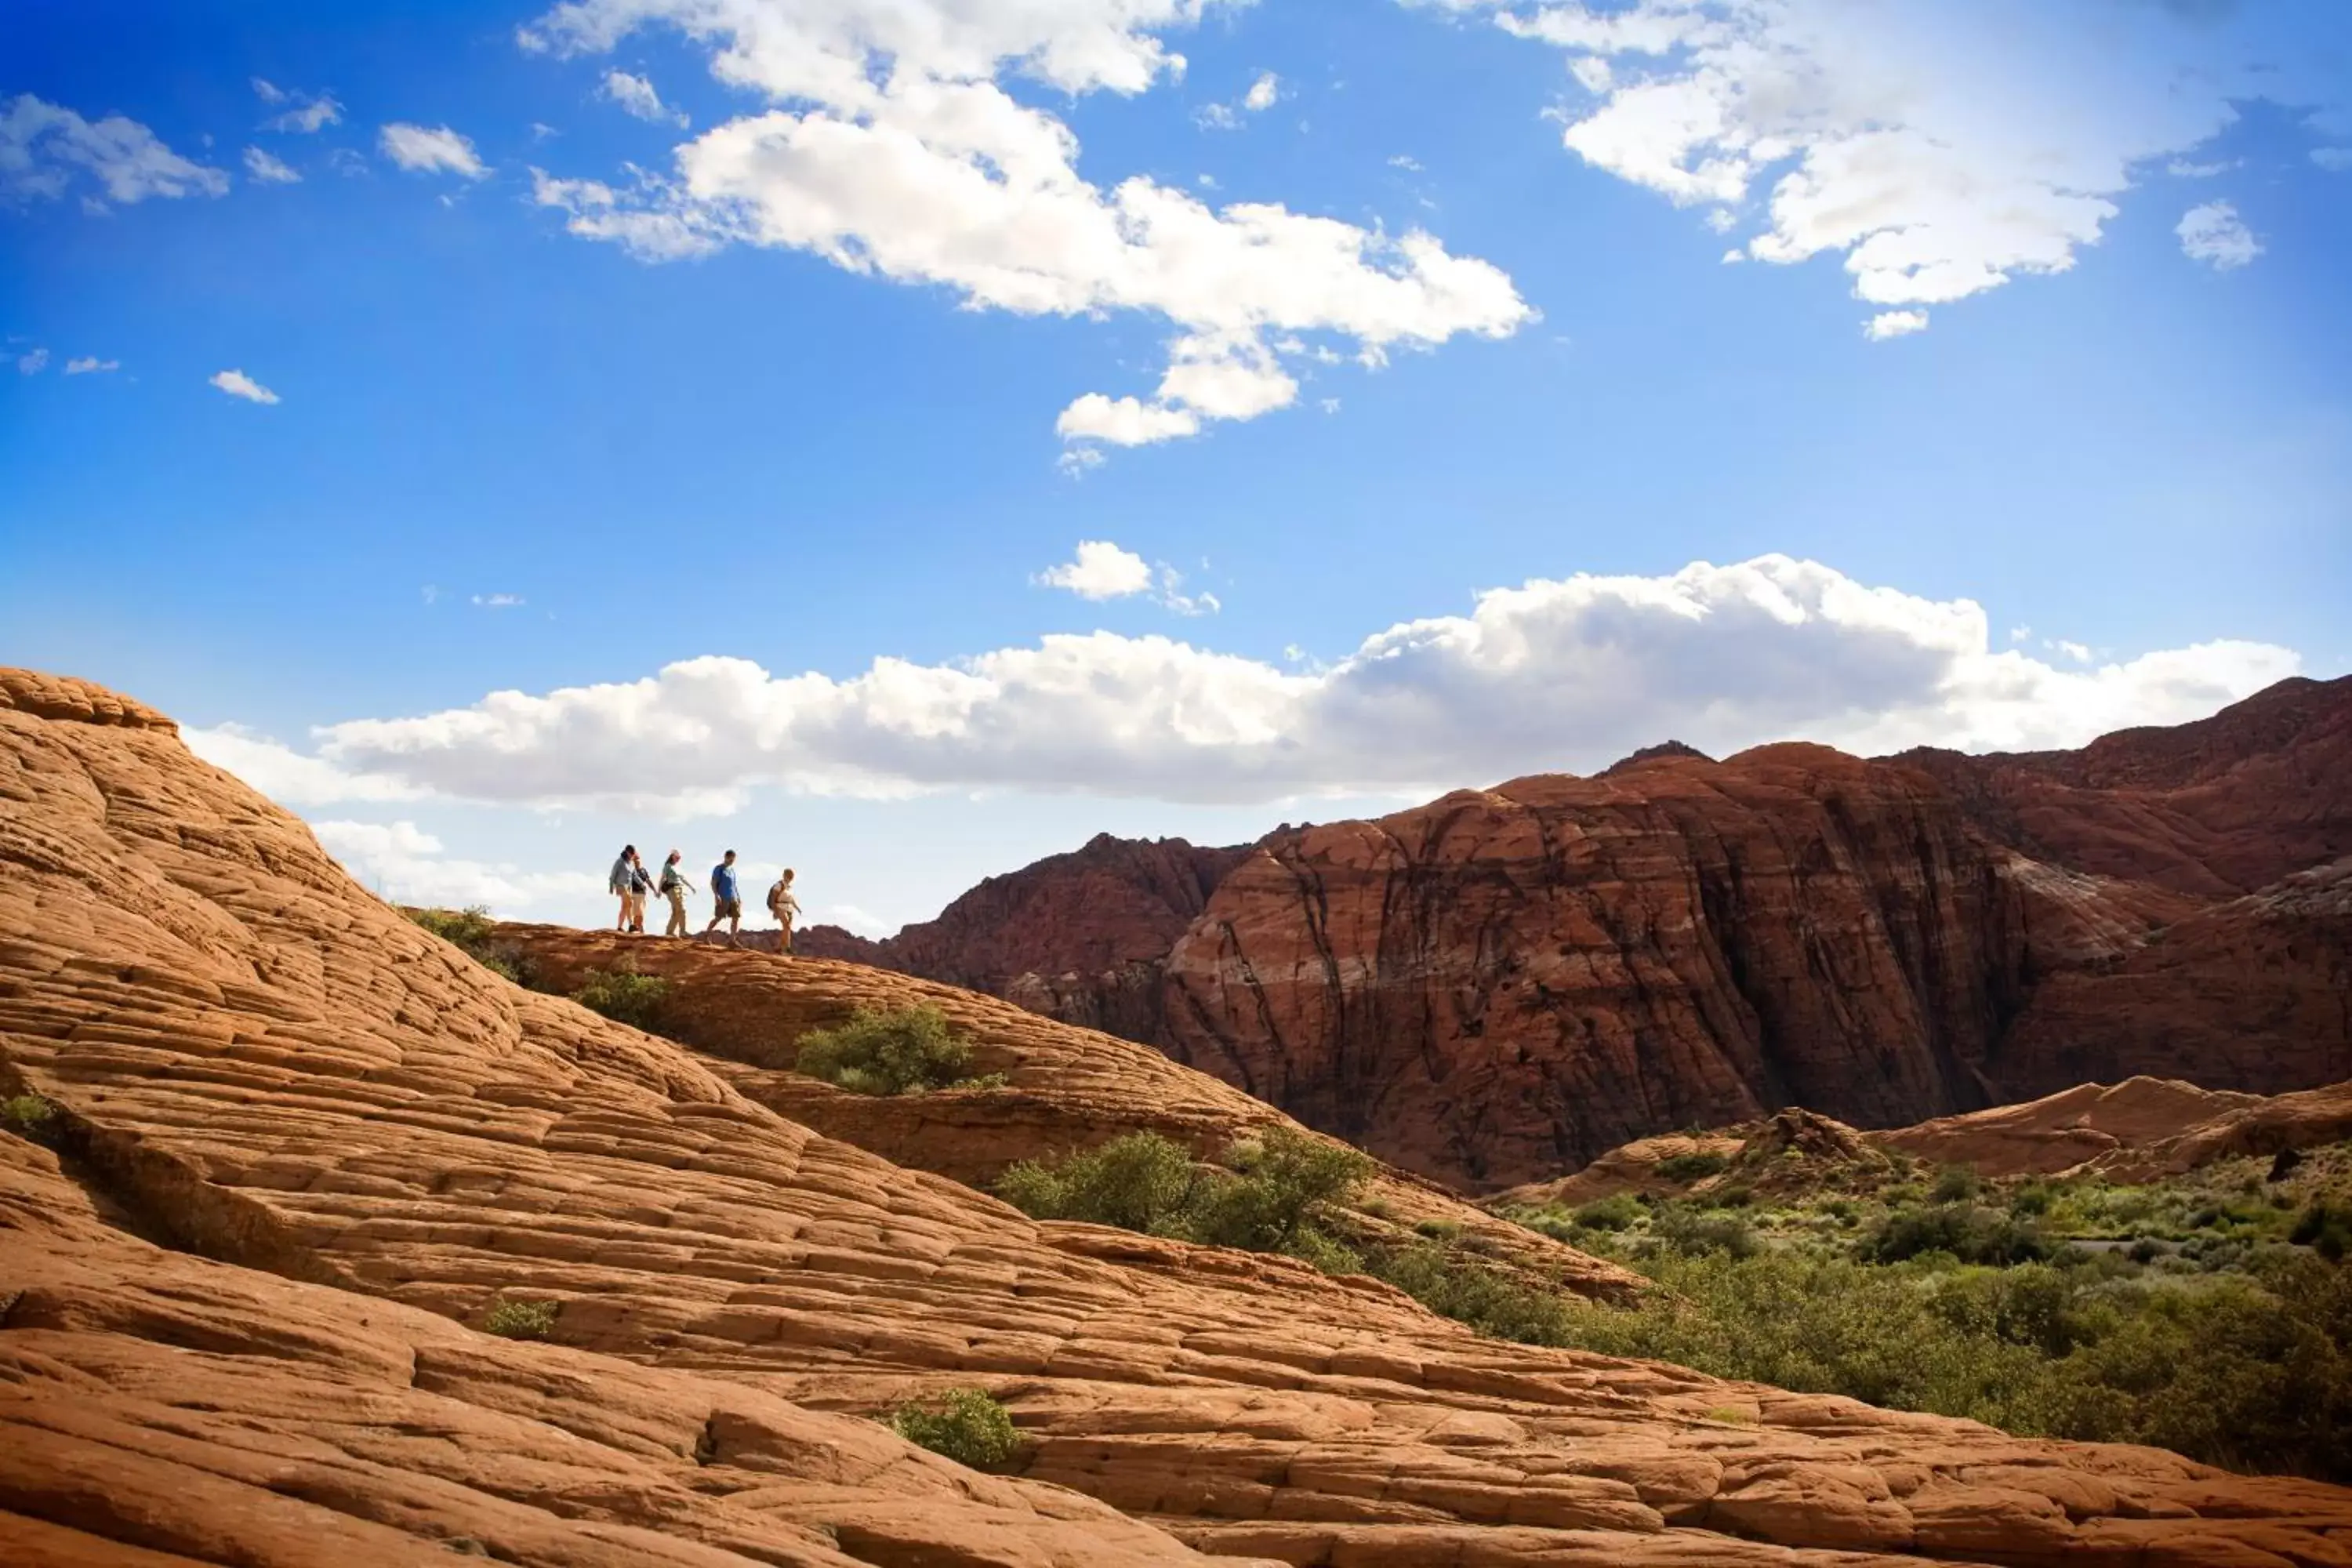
pixel 1617 1213
pixel 29 1116
pixel 1969 1233
pixel 2326 1229
pixel 1281 1199
pixel 1694 1232
pixel 1140 1181
pixel 624 997
pixel 472 932
pixel 522 1319
pixel 1694 1166
pixel 964 1424
pixel 1489 1300
pixel 1954 1184
pixel 906 1050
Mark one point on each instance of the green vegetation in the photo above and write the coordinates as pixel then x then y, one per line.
pixel 522 1319
pixel 1696 1167
pixel 963 1424
pixel 472 932
pixel 29 1116
pixel 903 1051
pixel 2210 1313
pixel 1279 1193
pixel 624 996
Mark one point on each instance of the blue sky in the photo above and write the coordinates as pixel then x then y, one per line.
pixel 906 439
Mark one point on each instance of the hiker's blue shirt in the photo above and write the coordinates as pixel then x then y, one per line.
pixel 722 881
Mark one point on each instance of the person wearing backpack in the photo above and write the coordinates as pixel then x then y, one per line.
pixel 675 887
pixel 785 907
pixel 620 882
pixel 726 900
pixel 641 883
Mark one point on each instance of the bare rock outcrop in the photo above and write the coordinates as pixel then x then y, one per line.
pixel 341 1141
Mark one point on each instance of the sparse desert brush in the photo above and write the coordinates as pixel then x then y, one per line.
pixel 904 1050
pixel 472 932
pixel 1694 1166
pixel 522 1319
pixel 624 996
pixel 29 1116
pixel 964 1424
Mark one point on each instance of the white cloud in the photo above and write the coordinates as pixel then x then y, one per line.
pixel 309 118
pixel 44 149
pixel 1262 93
pixel 33 362
pixel 2182 169
pixel 1941 151
pixel 91 364
pixel 270 170
pixel 498 601
pixel 2334 160
pixel 1100 570
pixel 286 775
pixel 636 95
pixel 2215 233
pixel 849 917
pixel 1894 325
pixel 406 864
pixel 423 150
pixel 2073 650
pixel 1568 673
pixel 237 384
pixel 891 148
pixel 2020 634
pixel 1409 164
pixel 269 92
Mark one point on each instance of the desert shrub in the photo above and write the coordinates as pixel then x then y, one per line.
pixel 522 1319
pixel 2326 1229
pixel 964 1424
pixel 1140 1181
pixel 1694 1166
pixel 1490 1301
pixel 29 1116
pixel 904 1050
pixel 472 932
pixel 1731 1198
pixel 1954 1184
pixel 1289 1183
pixel 1970 1234
pixel 1692 1232
pixel 624 997
pixel 1437 1229
pixel 1617 1213
pixel 2030 1200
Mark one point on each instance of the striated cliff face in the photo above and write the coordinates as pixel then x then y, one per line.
pixel 1499 986
pixel 300 1149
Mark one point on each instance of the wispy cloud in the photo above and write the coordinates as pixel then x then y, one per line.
pixel 498 601
pixel 424 150
pixel 271 171
pixel 46 149
pixel 305 114
pixel 90 364
pixel 237 384
pixel 635 95
pixel 33 362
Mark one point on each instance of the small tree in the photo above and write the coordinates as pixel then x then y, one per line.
pixel 624 997
pixel 964 1424
pixel 1140 1181
pixel 904 1051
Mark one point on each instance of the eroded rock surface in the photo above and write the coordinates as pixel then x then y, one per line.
pixel 371 1140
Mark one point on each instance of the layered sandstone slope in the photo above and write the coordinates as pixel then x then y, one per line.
pixel 1066 1088
pixel 2220 806
pixel 1079 936
pixel 1500 986
pixel 264 1065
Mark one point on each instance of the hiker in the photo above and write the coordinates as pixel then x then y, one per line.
pixel 675 888
pixel 785 907
pixel 641 883
pixel 622 880
pixel 726 902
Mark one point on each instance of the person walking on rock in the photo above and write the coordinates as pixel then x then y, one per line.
pixel 785 907
pixel 675 887
pixel 726 900
pixel 622 879
pixel 641 885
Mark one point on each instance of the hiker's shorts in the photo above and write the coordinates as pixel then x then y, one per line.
pixel 726 909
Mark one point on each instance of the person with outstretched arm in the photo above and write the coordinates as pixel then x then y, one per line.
pixel 726 902
pixel 675 888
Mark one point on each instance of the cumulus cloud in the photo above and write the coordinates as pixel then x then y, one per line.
pixel 305 114
pixel 262 166
pixel 426 149
pixel 46 150
pixel 635 95
pixel 1894 325
pixel 237 384
pixel 1263 94
pixel 286 775
pixel 893 148
pixel 2215 235
pixel 1100 570
pixel 405 864
pixel 1941 151
pixel 89 364
pixel 1557 673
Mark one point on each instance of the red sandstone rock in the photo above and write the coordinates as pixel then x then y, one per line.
pixel 370 1140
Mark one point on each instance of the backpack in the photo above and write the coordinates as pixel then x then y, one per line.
pixel 776 896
